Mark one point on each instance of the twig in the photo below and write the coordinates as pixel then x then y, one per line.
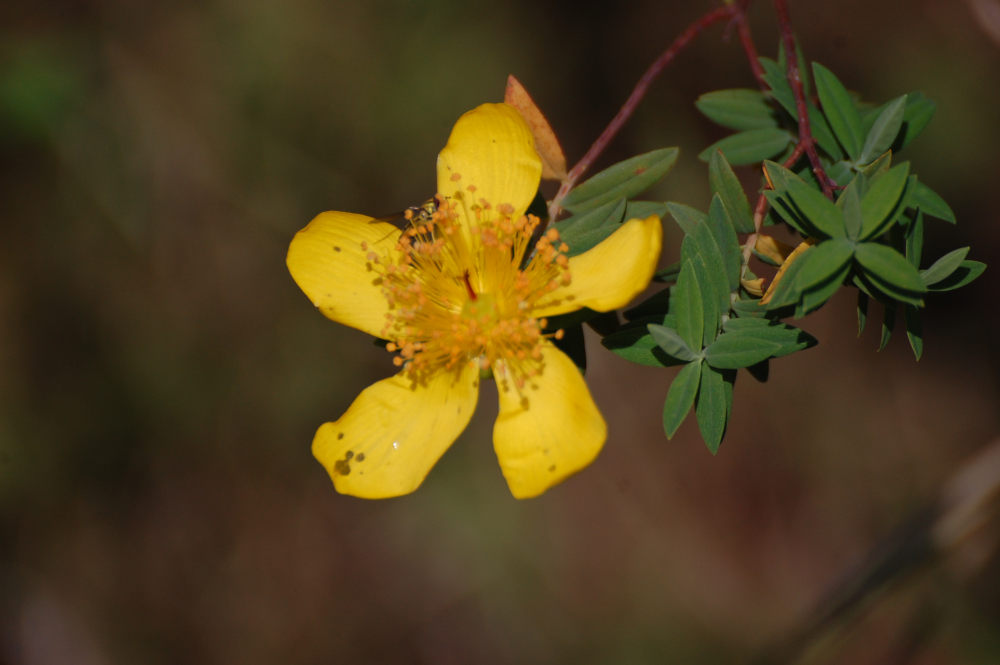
pixel 743 28
pixel 795 80
pixel 633 100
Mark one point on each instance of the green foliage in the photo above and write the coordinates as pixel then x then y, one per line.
pixel 623 180
pixel 864 230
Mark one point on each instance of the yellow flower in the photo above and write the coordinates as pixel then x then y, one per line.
pixel 461 291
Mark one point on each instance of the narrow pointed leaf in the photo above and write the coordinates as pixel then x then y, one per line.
pixel 788 338
pixel 883 133
pixel 734 200
pixel 928 201
pixel 623 180
pixel 727 242
pixel 823 261
pixel 943 267
pixel 914 330
pixel 863 300
pixel 839 109
pixel 738 109
pixel 750 146
pixel 888 324
pixel 915 240
pixel 965 273
pixel 919 111
pixel 735 351
pixel 586 230
pixel 850 205
pixel 671 342
pixel 686 305
pixel 712 407
pixel 881 202
pixel 819 210
pixel 685 216
pixel 885 264
pixel 680 397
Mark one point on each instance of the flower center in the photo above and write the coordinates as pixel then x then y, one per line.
pixel 463 287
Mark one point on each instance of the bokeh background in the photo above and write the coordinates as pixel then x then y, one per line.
pixel 161 376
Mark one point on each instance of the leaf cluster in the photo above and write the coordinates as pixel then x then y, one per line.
pixel 709 317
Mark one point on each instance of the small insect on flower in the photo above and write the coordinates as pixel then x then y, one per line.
pixel 412 216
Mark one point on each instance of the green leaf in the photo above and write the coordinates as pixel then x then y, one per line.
pixel 915 240
pixel 686 217
pixel 817 209
pixel 735 351
pixel 839 109
pixel 928 201
pixel 914 330
pixel 823 261
pixel 782 206
pixel 778 176
pixel 671 342
pixel 879 166
pixel 623 180
pixel 750 146
pixel 738 109
pixel 816 296
pixel 887 266
pixel 919 111
pixel 883 133
pixel 788 290
pixel 888 323
pixel 636 345
pixel 643 209
pixel 709 269
pixel 734 200
pixel 727 243
pixel 712 407
pixel 862 311
pixel 944 266
pixel 788 338
pixel 881 203
pixel 850 206
pixel 586 230
pixel 686 305
pixel 680 397
pixel 775 77
pixel 965 273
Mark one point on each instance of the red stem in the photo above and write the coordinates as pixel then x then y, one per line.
pixel 633 100
pixel 795 80
pixel 740 19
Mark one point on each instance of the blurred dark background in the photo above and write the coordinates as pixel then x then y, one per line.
pixel 161 376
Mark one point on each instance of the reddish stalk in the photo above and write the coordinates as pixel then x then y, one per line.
pixel 633 100
pixel 740 19
pixel 795 80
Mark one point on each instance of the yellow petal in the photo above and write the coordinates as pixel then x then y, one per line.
pixel 609 275
pixel 328 263
pixel 548 430
pixel 492 149
pixel 393 433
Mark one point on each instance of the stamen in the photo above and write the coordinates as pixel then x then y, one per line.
pixel 437 319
